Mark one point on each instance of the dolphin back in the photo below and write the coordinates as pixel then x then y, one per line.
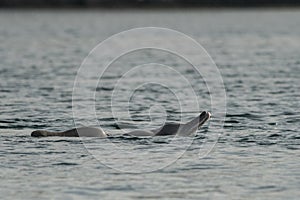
pixel 76 132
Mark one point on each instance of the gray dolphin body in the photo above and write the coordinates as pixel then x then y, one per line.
pixel 167 129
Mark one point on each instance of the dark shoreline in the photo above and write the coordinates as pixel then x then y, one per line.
pixel 147 4
pixel 65 8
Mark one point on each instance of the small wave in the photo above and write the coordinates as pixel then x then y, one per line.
pixel 104 89
pixel 275 135
pixel 65 164
pixel 266 143
pixel 245 115
pixel 245 140
pixel 232 122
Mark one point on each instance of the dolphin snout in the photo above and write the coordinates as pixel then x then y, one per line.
pixel 205 114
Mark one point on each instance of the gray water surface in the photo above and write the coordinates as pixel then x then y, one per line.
pixel 256 156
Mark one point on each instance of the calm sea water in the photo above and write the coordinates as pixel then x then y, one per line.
pixel 257 155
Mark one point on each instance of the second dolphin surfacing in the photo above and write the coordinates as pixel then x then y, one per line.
pixel 167 129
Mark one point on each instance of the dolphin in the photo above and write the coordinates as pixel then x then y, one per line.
pixel 183 129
